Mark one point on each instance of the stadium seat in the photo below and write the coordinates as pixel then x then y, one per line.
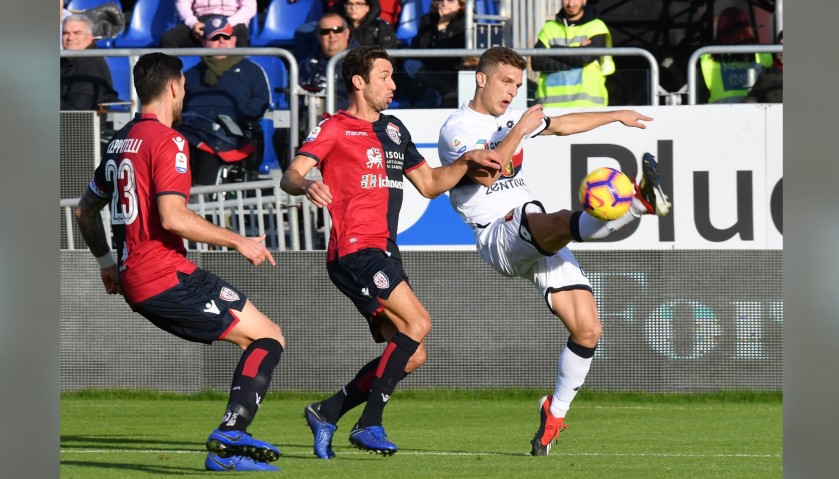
pixel 85 4
pixel 277 74
pixel 190 61
pixel 120 75
pixel 149 19
pixel 409 20
pixel 282 18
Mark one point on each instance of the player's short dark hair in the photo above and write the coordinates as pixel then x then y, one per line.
pixel 153 72
pixel 500 55
pixel 359 61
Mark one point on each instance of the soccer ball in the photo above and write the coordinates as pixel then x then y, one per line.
pixel 606 193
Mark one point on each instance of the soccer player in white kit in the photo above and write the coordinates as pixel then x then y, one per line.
pixel 513 232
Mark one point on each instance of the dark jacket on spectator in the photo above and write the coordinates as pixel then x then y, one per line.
pixel 85 83
pixel 428 36
pixel 769 87
pixel 242 92
pixel 373 30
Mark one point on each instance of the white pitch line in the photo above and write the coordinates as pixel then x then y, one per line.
pixel 426 453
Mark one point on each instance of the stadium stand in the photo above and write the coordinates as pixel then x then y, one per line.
pixel 281 19
pixel 85 4
pixel 277 74
pixel 409 20
pixel 120 75
pixel 149 19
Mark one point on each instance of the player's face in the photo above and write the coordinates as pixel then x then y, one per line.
pixel 379 92
pixel 500 85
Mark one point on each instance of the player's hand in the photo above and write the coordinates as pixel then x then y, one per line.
pixel 318 193
pixel 110 278
pixel 632 118
pixel 532 118
pixel 253 248
pixel 487 159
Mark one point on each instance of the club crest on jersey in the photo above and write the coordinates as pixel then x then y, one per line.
pixel 374 158
pixel 509 216
pixel 381 280
pixel 181 162
pixel 481 144
pixel 228 294
pixel 313 134
pixel 393 133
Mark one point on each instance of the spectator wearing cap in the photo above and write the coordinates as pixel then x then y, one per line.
pixel 194 14
pixel 85 81
pixel 223 92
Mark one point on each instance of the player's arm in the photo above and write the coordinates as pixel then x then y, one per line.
pixel 294 181
pixel 580 122
pixel 89 219
pixel 529 122
pixel 177 218
pixel 432 182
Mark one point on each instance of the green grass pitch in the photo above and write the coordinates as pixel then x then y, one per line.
pixel 441 434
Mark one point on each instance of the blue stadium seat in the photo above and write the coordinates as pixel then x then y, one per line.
pixel 149 19
pixel 190 61
pixel 409 20
pixel 487 7
pixel 277 73
pixel 282 18
pixel 120 75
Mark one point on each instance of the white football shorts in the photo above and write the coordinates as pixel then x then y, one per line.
pixel 508 247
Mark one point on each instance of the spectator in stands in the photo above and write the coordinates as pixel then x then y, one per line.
pixel 226 96
pixel 443 27
pixel 194 14
pixel 769 87
pixel 64 14
pixel 334 36
pixel 580 80
pixel 85 82
pixel 365 25
pixel 728 77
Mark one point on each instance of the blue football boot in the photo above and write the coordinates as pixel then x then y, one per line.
pixel 215 462
pixel 373 439
pixel 322 430
pixel 240 443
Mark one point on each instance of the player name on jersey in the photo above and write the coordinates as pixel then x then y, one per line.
pixel 127 145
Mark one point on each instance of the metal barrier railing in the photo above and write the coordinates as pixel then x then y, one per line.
pixel 733 49
pixel 454 52
pixel 134 53
pixel 244 207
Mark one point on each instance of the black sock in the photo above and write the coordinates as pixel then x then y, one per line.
pixel 351 395
pixel 250 382
pixel 390 371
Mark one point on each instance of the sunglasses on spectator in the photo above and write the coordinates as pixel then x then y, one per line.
pixel 220 36
pixel 327 31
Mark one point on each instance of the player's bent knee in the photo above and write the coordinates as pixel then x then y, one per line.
pixel 417 359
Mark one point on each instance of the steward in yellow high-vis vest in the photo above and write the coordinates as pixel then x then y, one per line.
pixel 730 77
pixel 579 80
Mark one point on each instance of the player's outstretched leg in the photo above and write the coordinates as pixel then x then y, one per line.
pixel 372 439
pixel 322 430
pixel 215 462
pixel 649 191
pixel 549 429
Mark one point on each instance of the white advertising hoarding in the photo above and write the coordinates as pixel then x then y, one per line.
pixel 721 164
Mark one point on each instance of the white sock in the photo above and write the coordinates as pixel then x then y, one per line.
pixel 592 228
pixel 572 374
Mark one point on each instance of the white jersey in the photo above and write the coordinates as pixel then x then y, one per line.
pixel 465 130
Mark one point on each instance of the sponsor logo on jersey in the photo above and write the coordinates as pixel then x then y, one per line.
pixel 374 158
pixel 369 182
pixel 313 134
pixel 179 142
pixel 507 184
pixel 393 133
pixel 461 150
pixel 381 280
pixel 181 162
pixel 355 133
pixel 510 124
pixel 228 294
pixel 481 144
